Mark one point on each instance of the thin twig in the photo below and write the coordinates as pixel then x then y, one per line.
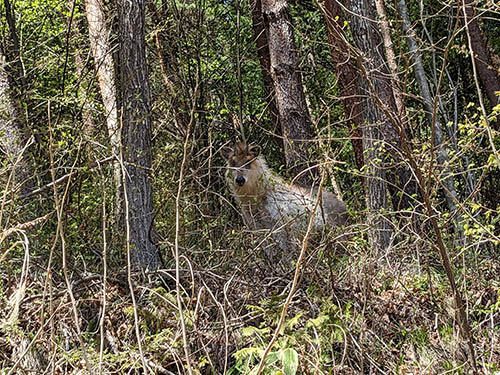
pixel 59 206
pixel 298 267
pixel 177 229
pixel 105 269
pixel 60 180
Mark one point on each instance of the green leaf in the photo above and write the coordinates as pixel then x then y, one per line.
pixel 272 358
pixel 295 320
pixel 251 330
pixel 290 360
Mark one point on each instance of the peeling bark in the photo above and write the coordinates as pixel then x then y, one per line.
pixel 262 44
pixel 99 37
pixel 294 115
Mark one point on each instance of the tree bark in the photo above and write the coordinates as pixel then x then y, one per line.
pixel 16 57
pixel 347 75
pixel 15 82
pixel 391 57
pixel 485 69
pixel 402 185
pixel 136 132
pixel 262 44
pixel 292 107
pixel 99 37
pixel 378 132
pixel 99 34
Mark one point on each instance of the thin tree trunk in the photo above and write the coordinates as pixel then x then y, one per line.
pixel 391 56
pixel 347 74
pixel 377 128
pixel 485 69
pixel 15 81
pixel 136 132
pixel 432 117
pixel 99 37
pixel 16 55
pixel 262 44
pixel 294 116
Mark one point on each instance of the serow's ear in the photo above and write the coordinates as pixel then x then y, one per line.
pixel 254 150
pixel 227 152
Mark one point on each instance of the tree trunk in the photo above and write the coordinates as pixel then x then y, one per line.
pixel 16 57
pixel 99 34
pixel 136 133
pixel 402 185
pixel 14 81
pixel 377 131
pixel 262 44
pixel 347 75
pixel 485 69
pixel 391 57
pixel 290 98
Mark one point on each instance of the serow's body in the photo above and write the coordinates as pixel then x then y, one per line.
pixel 271 205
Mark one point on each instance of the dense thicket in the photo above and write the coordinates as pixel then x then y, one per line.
pixel 121 248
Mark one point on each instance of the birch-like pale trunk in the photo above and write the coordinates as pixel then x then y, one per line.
pixel 262 44
pixel 99 37
pixel 390 55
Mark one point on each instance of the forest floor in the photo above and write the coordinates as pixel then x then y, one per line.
pixel 353 313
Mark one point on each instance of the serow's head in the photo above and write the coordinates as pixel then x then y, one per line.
pixel 242 170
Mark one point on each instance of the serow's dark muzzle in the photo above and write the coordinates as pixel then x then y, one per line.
pixel 240 180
